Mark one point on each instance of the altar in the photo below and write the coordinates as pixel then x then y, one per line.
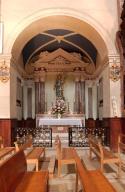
pixel 66 121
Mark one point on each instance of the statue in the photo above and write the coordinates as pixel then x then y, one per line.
pixel 59 87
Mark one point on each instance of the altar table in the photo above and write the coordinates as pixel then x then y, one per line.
pixel 60 122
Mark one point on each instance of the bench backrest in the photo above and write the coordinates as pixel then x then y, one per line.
pixel 1 142
pixel 11 172
pixel 96 144
pixel 92 180
pixel 27 144
pixel 83 174
pixel 58 147
pixel 121 144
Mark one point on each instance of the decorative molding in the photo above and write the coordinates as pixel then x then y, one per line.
pixel 59 61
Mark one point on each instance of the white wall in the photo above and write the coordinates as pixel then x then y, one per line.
pixel 5 100
pixel 104 13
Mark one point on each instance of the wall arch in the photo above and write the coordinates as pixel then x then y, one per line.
pixel 18 37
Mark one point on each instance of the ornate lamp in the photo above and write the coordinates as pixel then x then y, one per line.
pixel 4 73
pixel 115 71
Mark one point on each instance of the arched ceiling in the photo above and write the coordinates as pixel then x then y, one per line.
pixel 54 39
pixel 53 32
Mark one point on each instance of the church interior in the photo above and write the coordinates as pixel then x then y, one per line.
pixel 62 96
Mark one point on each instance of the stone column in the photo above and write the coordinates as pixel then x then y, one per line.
pixel 95 103
pixel 77 95
pixel 82 108
pixel 37 96
pixel 88 99
pixel 42 95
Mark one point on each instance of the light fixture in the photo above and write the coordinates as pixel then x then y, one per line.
pixel 4 72
pixel 115 71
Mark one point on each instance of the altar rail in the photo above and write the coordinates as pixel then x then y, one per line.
pixel 78 136
pixel 42 136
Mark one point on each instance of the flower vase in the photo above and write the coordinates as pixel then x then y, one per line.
pixel 58 115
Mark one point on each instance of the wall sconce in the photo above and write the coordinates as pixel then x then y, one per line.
pixel 4 73
pixel 115 71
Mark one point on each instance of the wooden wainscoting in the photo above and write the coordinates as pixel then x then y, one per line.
pixel 6 127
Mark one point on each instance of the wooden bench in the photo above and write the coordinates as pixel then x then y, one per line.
pixel 51 166
pixel 91 180
pixel 27 144
pixel 64 155
pixel 6 151
pixel 1 142
pixel 121 151
pixel 15 178
pixel 35 156
pixel 104 155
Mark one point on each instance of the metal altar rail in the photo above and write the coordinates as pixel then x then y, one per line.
pixel 77 136
pixel 42 136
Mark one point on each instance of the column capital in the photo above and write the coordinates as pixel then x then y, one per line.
pixel 76 76
pixel 114 58
pixel 42 79
pixel 36 79
pixel 82 79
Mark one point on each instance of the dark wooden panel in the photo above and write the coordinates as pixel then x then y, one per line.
pixel 115 130
pixel 106 123
pixel 123 126
pixel 90 123
pixel 6 126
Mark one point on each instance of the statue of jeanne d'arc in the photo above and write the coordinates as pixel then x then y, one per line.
pixel 59 86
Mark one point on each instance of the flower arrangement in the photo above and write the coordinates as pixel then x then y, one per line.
pixel 59 107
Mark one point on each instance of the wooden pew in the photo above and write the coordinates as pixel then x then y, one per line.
pixel 1 142
pixel 104 155
pixel 6 151
pixel 63 155
pixel 91 180
pixel 121 151
pixel 34 156
pixel 27 144
pixel 15 178
pixel 51 166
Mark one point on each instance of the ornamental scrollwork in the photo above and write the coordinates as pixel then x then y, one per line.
pixel 115 72
pixel 4 73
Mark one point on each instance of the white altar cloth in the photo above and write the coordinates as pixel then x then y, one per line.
pixel 61 121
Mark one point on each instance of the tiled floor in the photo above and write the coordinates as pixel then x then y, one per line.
pixel 66 183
